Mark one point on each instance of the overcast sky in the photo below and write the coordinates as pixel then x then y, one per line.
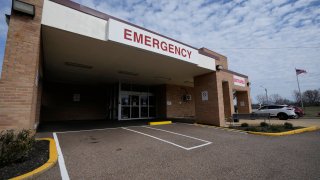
pixel 263 39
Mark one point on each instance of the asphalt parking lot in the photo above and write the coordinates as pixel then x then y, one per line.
pixel 185 151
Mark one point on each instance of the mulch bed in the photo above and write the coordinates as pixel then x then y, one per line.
pixel 276 129
pixel 38 156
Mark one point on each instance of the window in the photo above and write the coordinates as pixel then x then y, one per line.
pixel 264 107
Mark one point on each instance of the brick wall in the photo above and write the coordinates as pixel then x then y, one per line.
pixel 243 102
pixel 209 111
pixel 219 106
pixel 161 100
pixel 227 100
pixel 18 87
pixel 177 108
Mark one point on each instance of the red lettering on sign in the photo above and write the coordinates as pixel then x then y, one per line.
pixel 171 48
pixel 239 81
pixel 189 53
pixel 155 42
pixel 126 34
pixel 183 52
pixel 137 37
pixel 147 40
pixel 163 46
pixel 177 50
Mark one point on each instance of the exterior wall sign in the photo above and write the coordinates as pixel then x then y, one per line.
pixel 242 103
pixel 130 35
pixel 76 97
pixel 204 96
pixel 239 81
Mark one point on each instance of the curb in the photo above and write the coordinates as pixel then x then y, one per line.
pixel 53 157
pixel 297 131
pixel 160 123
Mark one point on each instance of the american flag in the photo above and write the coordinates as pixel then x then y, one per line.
pixel 300 71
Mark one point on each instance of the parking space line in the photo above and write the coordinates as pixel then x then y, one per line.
pixel 194 147
pixel 86 130
pixel 101 129
pixel 178 134
pixel 174 144
pixel 216 127
pixel 62 165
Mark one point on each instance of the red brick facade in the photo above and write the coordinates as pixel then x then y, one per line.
pixel 220 87
pixel 176 106
pixel 18 84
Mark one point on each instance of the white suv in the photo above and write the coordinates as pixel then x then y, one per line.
pixel 283 112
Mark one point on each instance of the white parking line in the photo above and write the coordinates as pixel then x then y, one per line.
pixel 62 165
pixel 177 145
pixel 178 134
pixel 88 130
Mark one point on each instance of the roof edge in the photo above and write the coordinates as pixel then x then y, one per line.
pixel 234 73
pixel 98 14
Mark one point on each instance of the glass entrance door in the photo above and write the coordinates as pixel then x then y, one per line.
pixel 125 107
pixel 144 106
pixel 136 102
pixel 136 106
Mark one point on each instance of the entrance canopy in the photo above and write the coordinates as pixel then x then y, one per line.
pixel 81 48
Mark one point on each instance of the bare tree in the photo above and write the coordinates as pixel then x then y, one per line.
pixel 261 98
pixel 296 97
pixel 277 99
pixel 311 97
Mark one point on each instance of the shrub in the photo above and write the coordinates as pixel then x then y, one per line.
pixel 275 128
pixel 15 146
pixel 252 129
pixel 244 125
pixel 288 125
pixel 264 124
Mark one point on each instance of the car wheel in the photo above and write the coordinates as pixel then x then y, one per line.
pixel 283 116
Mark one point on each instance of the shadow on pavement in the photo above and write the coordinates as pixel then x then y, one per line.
pixel 76 125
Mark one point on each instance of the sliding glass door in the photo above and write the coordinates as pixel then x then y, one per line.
pixel 136 105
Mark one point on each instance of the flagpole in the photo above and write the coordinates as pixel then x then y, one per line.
pixel 299 90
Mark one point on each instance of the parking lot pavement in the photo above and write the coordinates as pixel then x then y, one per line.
pixel 146 153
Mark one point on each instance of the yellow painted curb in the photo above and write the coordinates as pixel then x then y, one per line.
pixel 297 131
pixel 53 157
pixel 160 123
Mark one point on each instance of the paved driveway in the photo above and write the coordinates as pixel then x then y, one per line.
pixel 185 151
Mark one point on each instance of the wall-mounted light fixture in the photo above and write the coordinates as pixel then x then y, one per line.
pixel 23 7
pixel 219 67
